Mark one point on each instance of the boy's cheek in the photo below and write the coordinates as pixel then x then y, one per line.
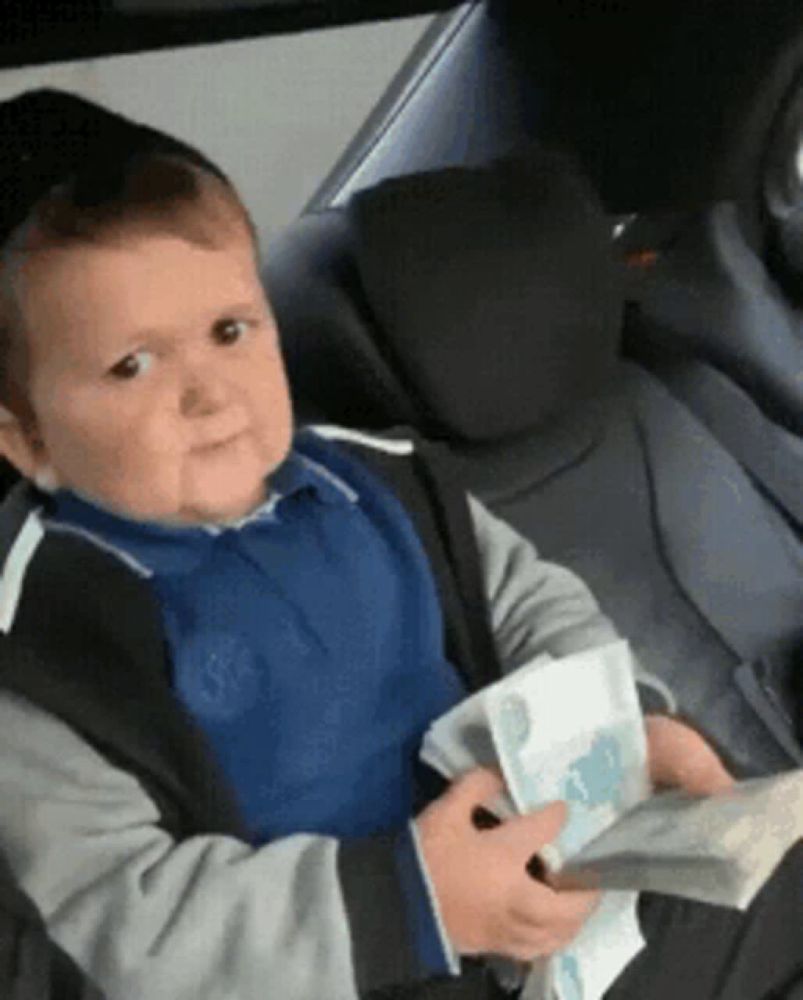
pixel 130 488
pixel 96 454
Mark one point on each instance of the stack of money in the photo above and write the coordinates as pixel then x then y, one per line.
pixel 572 729
pixel 720 849
pixel 566 729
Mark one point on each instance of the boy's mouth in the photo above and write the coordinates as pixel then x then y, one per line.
pixel 213 446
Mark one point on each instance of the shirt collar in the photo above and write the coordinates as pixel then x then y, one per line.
pixel 153 546
pixel 299 472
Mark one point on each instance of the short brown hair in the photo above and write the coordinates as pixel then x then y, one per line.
pixel 157 193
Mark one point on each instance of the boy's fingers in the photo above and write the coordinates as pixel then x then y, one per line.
pixel 476 787
pixel 565 911
pixel 543 826
pixel 526 835
pixel 705 780
pixel 680 757
pixel 575 907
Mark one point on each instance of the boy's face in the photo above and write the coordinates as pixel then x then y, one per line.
pixel 155 376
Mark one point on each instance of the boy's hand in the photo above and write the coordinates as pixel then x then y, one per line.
pixel 488 901
pixel 679 757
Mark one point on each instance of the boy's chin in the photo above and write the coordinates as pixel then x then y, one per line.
pixel 225 508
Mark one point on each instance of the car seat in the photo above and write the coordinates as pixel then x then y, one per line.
pixel 710 320
pixel 484 307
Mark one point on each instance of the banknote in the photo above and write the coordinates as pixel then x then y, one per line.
pixel 573 730
pixel 461 739
pixel 719 849
pixel 570 729
pixel 607 942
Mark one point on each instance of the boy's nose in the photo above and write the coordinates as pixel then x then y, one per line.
pixel 203 394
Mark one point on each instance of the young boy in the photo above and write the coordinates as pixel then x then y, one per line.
pixel 223 636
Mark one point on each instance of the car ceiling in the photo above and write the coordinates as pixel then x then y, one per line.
pixel 43 31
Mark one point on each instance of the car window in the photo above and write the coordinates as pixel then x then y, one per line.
pixel 278 114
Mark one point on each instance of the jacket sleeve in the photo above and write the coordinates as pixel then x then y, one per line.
pixel 540 607
pixel 32 967
pixel 206 918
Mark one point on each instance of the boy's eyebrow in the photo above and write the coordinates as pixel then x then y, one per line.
pixel 154 333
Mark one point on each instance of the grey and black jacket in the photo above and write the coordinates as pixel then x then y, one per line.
pixel 116 820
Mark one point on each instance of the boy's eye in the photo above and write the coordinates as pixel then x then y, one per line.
pixel 131 365
pixel 229 331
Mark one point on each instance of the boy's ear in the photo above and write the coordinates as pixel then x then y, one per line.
pixel 17 444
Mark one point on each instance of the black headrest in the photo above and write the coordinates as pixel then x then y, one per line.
pixel 329 336
pixel 475 303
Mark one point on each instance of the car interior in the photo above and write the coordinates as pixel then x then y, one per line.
pixel 568 245
pixel 641 424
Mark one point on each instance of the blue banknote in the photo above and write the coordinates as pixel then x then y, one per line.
pixel 573 731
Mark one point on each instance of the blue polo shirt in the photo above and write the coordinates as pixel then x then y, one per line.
pixel 307 642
